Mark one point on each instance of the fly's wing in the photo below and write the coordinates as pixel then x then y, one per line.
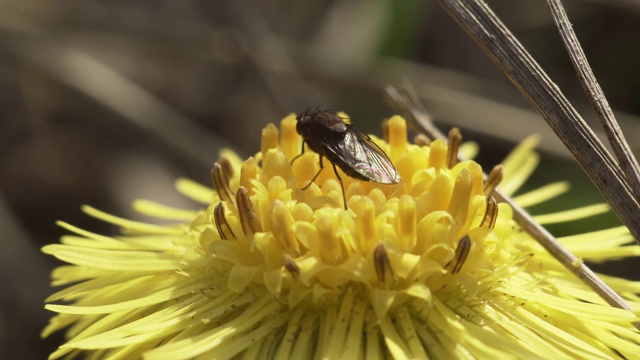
pixel 360 154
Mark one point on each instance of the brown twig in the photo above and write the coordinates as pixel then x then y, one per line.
pixel 423 121
pixel 475 17
pixel 596 97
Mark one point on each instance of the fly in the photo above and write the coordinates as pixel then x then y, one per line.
pixel 328 135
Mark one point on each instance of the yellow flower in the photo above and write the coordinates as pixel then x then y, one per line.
pixel 427 268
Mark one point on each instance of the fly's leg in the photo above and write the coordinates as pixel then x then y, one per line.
pixel 344 197
pixel 316 175
pixel 301 153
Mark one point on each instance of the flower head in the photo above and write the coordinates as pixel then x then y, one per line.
pixel 429 267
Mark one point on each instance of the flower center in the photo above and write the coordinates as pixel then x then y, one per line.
pixel 405 240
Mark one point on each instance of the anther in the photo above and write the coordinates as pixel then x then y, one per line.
pixel 227 168
pixel 222 186
pixel 462 251
pixel 493 179
pixel 422 140
pixel 381 262
pixel 490 214
pixel 291 266
pixel 455 138
pixel 247 212
pixel 221 223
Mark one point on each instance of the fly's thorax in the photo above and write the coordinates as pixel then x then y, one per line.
pixel 315 146
pixel 323 126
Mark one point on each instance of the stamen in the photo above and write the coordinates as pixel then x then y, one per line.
pixel 281 221
pixel 462 251
pixel 246 211
pixel 491 213
pixel 493 179
pixel 221 223
pixel 291 266
pixel 270 136
pixel 249 170
pixel 381 262
pixel 289 138
pixel 438 154
pixel 407 222
pixel 218 177
pixel 397 137
pixel 227 168
pixel 461 196
pixel 455 138
pixel 422 140
pixel 365 210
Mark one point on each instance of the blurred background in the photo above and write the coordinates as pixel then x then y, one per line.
pixel 103 102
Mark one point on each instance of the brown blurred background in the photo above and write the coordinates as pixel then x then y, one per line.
pixel 103 102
